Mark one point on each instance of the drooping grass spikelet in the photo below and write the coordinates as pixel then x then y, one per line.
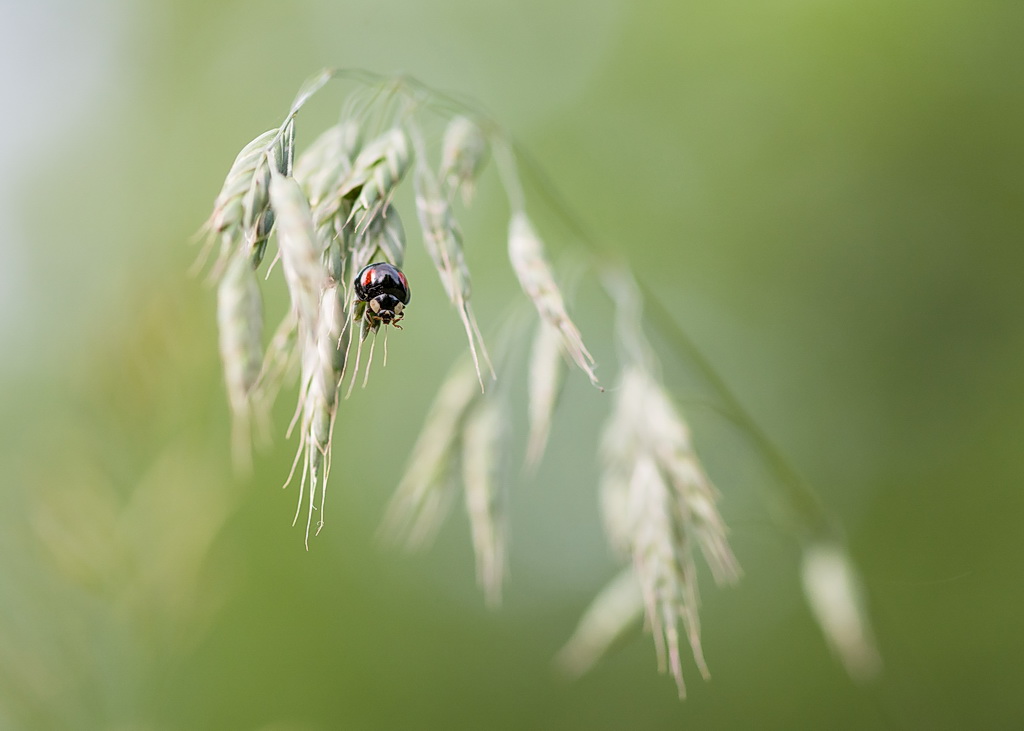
pixel 835 595
pixel 658 503
pixel 442 236
pixel 300 251
pixel 615 609
pixel 546 377
pixel 239 201
pixel 641 522
pixel 242 214
pixel 229 207
pixel 323 367
pixel 258 220
pixel 376 172
pixel 323 171
pixel 463 155
pixel 325 164
pixel 240 323
pixel 526 252
pixel 672 447
pixel 485 502
pixel 443 241
pixel 424 493
pixel 382 240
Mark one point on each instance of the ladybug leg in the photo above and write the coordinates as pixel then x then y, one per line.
pixel 371 320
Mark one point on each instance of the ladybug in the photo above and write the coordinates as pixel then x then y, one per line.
pixel 385 290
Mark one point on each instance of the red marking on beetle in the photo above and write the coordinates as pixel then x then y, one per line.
pixel 368 279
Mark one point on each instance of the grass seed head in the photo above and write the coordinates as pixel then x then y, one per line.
pixel 241 214
pixel 326 163
pixel 443 242
pixel 526 252
pixel 546 377
pixel 323 170
pixel 616 609
pixel 322 370
pixel 301 252
pixel 376 172
pixel 382 240
pixel 240 324
pixel 659 505
pixel 229 208
pixel 696 498
pixel 837 600
pixel 420 501
pixel 663 564
pixel 485 501
pixel 463 155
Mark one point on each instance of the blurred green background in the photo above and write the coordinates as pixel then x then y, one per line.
pixel 826 194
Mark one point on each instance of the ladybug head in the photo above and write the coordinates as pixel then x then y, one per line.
pixel 385 308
